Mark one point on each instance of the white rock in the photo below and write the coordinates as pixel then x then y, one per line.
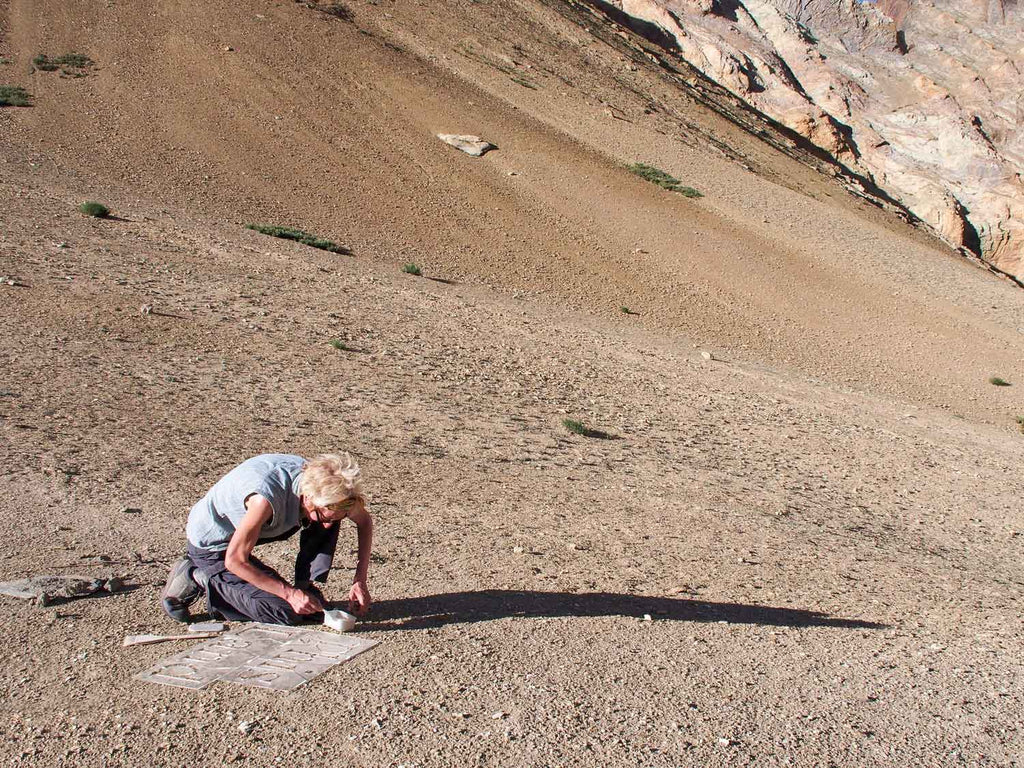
pixel 471 145
pixel 207 626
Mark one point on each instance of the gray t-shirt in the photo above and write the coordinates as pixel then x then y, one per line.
pixel 274 476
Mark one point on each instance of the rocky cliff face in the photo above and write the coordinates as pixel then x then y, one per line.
pixel 924 98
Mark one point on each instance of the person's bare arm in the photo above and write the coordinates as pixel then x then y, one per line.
pixel 257 513
pixel 359 595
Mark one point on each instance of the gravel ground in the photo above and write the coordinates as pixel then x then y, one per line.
pixel 831 577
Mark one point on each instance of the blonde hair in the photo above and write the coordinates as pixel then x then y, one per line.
pixel 330 478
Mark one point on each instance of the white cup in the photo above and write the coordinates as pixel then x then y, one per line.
pixel 339 620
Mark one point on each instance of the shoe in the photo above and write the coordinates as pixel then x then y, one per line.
pixel 180 591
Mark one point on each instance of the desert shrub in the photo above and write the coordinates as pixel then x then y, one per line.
pixel 305 238
pixel 662 179
pixel 337 10
pixel 520 80
pixel 576 427
pixel 94 209
pixel 13 96
pixel 579 428
pixel 64 62
pixel 412 269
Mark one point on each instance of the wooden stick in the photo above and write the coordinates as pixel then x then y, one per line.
pixel 148 639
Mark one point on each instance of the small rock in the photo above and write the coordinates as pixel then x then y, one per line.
pixel 248 726
pixel 207 626
pixel 146 309
pixel 228 49
pixel 647 617
pixel 707 355
pixel 518 550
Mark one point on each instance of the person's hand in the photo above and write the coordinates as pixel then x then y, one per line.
pixel 359 598
pixel 304 603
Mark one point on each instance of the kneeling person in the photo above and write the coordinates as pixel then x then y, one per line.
pixel 268 498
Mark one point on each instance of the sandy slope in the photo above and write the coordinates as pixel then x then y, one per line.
pixel 830 560
pixel 324 124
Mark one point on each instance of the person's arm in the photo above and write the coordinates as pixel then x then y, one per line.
pixel 257 513
pixel 359 596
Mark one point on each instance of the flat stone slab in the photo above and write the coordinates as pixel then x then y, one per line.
pixel 49 589
pixel 262 655
pixel 471 145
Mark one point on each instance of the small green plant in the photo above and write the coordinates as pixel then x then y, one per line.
pixel 337 10
pixel 412 269
pixel 579 428
pixel 94 209
pixel 305 238
pixel 576 427
pixel 626 311
pixel 65 62
pixel 13 96
pixel 519 80
pixel 341 346
pixel 998 382
pixel 662 179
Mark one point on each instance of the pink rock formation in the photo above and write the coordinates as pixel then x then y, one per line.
pixel 926 99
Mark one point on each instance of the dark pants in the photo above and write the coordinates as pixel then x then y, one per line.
pixel 232 598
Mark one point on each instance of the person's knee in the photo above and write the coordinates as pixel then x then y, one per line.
pixel 276 612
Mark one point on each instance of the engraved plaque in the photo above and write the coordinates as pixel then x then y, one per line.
pixel 261 655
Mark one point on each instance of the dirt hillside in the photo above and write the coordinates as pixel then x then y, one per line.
pixel 823 522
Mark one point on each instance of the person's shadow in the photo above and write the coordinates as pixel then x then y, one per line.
pixel 486 605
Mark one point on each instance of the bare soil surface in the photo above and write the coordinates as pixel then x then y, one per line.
pixel 823 522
